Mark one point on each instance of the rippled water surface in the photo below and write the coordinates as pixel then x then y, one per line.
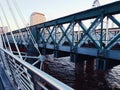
pixel 79 79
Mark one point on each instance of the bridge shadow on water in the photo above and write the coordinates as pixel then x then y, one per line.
pixel 81 76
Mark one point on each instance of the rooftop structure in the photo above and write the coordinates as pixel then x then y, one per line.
pixel 37 18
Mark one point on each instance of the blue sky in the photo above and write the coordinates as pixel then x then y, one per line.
pixel 51 8
pixel 56 8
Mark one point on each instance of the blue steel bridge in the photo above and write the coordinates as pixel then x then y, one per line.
pixel 82 36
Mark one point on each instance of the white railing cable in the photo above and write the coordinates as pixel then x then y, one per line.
pixel 8 42
pixel 49 79
pixel 22 80
pixel 42 86
pixel 3 39
pixel 12 37
pixel 27 28
pixel 10 31
pixel 16 22
pixel 25 24
pixel 2 35
pixel 6 64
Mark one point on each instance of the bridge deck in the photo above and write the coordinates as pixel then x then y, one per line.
pixel 4 81
pixel 1 85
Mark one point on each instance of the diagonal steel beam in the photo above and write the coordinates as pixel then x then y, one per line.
pixel 41 36
pixel 114 20
pixel 86 31
pixel 64 33
pixel 50 34
pixel 88 34
pixel 113 41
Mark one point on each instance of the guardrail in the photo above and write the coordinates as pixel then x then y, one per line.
pixel 20 71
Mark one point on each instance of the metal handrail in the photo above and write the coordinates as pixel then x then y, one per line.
pixel 49 79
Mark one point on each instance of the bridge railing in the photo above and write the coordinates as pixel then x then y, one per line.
pixel 22 73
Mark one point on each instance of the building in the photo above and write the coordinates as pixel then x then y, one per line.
pixel 3 29
pixel 37 18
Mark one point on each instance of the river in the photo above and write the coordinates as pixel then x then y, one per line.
pixel 85 79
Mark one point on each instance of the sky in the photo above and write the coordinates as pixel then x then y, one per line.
pixel 56 8
pixel 52 9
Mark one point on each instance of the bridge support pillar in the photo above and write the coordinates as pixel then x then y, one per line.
pixel 45 51
pixel 74 57
pixel 111 63
pixel 101 64
pixel 59 54
pixel 77 57
pixel 80 67
pixel 83 68
pixel 90 65
pixel 79 74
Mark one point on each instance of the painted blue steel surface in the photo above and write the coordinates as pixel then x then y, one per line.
pixel 46 33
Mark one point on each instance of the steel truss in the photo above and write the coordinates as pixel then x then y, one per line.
pixel 75 33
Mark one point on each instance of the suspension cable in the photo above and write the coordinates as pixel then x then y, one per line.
pixel 20 56
pixel 15 20
pixel 10 31
pixel 27 28
pixel 41 58
pixel 2 35
pixel 9 47
pixel 3 39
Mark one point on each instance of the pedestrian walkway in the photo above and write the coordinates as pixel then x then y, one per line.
pixel 4 81
pixel 1 85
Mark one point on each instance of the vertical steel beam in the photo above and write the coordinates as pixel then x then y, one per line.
pixel 107 31
pixel 101 33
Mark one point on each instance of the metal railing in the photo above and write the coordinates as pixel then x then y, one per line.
pixel 22 73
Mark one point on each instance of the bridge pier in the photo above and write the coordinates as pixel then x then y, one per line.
pixel 79 74
pixel 87 63
pixel 45 51
pixel 112 63
pixel 105 64
pixel 90 65
pixel 77 57
pixel 59 54
pixel 80 67
pixel 83 67
pixel 101 64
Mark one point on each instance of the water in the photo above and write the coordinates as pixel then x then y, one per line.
pixel 79 77
pixel 113 77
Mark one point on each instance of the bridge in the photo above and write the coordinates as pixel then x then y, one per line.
pixel 82 36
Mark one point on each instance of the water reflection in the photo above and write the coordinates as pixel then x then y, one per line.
pixel 82 75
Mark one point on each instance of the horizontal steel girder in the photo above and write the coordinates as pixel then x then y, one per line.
pixel 51 27
pixel 108 54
